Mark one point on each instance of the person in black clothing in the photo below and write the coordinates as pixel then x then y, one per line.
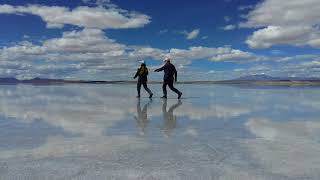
pixel 170 75
pixel 142 72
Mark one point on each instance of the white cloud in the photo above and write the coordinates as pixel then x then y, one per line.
pixel 26 36
pixel 213 54
pixel 89 17
pixel 89 53
pixel 191 35
pixel 292 22
pixel 85 41
pixel 204 37
pixel 163 31
pixel 245 7
pixel 294 35
pixel 284 13
pixel 229 27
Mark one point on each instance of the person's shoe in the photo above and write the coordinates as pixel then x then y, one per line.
pixel 179 95
pixel 150 96
pixel 164 97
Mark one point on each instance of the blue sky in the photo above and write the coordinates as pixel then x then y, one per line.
pixel 206 40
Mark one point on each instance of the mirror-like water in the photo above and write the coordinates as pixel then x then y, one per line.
pixel 213 132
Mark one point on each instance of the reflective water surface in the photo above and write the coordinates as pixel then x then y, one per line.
pixel 213 132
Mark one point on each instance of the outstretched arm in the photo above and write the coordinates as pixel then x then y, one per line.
pixel 135 76
pixel 160 69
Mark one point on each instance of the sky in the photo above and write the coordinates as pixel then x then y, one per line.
pixel 206 39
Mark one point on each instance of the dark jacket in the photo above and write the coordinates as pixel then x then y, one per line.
pixel 169 71
pixel 142 72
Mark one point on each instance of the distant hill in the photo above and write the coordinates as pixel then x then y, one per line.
pixel 9 80
pixel 44 81
pixel 256 77
pixel 263 77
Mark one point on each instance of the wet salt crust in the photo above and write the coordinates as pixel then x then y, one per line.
pixel 104 132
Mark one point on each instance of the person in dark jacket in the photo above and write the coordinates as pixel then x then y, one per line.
pixel 170 75
pixel 142 73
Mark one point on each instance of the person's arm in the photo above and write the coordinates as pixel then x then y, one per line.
pixel 135 76
pixel 147 71
pixel 175 73
pixel 160 69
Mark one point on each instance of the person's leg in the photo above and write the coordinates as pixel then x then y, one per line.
pixel 164 89
pixel 147 89
pixel 170 84
pixel 138 88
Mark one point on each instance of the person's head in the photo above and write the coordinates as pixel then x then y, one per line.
pixel 166 60
pixel 143 63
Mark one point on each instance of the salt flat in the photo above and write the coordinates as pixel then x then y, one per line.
pixel 213 132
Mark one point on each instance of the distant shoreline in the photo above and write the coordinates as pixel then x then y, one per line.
pixel 39 81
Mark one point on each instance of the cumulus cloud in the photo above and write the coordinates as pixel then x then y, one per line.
pixel 213 54
pixel 294 35
pixel 284 22
pixel 191 35
pixel 89 52
pixel 89 17
pixel 229 27
pixel 86 41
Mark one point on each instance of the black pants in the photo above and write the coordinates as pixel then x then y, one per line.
pixel 144 83
pixel 169 82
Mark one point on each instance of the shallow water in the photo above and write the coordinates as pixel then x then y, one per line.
pixel 213 132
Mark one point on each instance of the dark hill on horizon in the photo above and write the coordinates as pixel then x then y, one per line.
pixel 257 79
pixel 264 77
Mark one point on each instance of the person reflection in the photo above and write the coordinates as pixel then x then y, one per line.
pixel 142 116
pixel 170 120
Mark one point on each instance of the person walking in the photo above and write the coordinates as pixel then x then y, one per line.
pixel 170 75
pixel 142 73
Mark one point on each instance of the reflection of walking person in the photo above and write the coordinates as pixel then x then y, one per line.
pixel 170 120
pixel 142 72
pixel 170 75
pixel 142 116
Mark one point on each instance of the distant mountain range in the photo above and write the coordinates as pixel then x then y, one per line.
pixel 250 79
pixel 263 77
pixel 10 80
